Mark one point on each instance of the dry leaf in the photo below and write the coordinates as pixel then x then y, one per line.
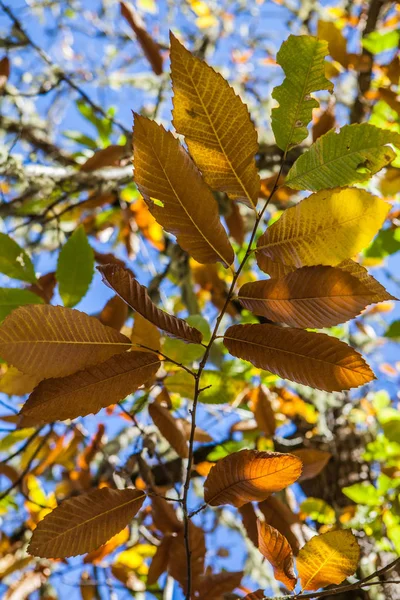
pixel 90 390
pixel 313 359
pixel 276 549
pixel 280 517
pixel 264 414
pixel 4 71
pixel 216 125
pixel 164 516
pixel 313 462
pixel 83 523
pixel 249 475
pixel 52 341
pixel 150 48
pixel 324 123
pixel 169 428
pixel 216 586
pixel 136 296
pixel 115 313
pixel 235 224
pixel 106 157
pixel 145 333
pixel 159 562
pixel 249 519
pixel 327 559
pixel 177 566
pixel 177 195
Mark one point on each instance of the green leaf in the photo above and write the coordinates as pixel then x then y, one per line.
pixel 11 298
pixel 303 60
pixel 393 331
pixel 318 510
pixel 376 42
pixel 363 493
pixel 223 389
pixel 179 351
pixel 14 261
pixel 75 268
pixel 338 159
pixel 387 242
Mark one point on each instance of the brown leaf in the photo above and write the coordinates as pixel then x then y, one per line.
pixel 235 223
pixel 90 390
pixel 110 259
pixel 324 123
pixel 264 414
pixel 53 341
pixel 313 461
pixel 249 475
pixel 249 519
pixel 177 566
pixel 164 516
pixel 4 71
pixel 83 523
pixel 377 292
pixel 257 595
pixel 159 562
pixel 169 428
pixel 106 157
pixel 313 359
pixel 45 286
pixel 320 296
pixel 136 296
pixel 278 515
pixel 115 313
pixel 276 549
pixel 216 585
pixel 150 48
pixel 177 195
pixel 199 435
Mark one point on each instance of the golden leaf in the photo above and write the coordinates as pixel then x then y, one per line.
pixel 216 125
pixel 169 428
pixel 313 359
pixel 249 475
pixel 52 341
pixel 136 296
pixel 145 333
pixel 326 228
pixel 83 523
pixel 90 390
pixel 327 558
pixel 276 549
pixel 16 383
pixel 177 195
pixel 320 296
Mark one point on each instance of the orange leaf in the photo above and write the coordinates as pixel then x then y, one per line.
pixel 313 461
pixel 249 475
pixel 136 296
pixel 313 359
pixel 264 414
pixel 276 549
pixel 169 428
pixel 278 515
pixel 249 519
pixel 150 48
pixel 115 313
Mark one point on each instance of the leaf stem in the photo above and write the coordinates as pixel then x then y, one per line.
pixel 198 389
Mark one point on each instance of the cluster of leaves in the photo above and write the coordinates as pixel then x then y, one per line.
pixel 74 364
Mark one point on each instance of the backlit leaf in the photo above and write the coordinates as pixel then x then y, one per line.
pixel 145 333
pixel 337 159
pixel 328 30
pixel 260 404
pixel 249 475
pixel 106 157
pixel 313 359
pixel 216 125
pixel 249 519
pixel 52 341
pixel 280 517
pixel 327 558
pixel 12 298
pixel 83 523
pixel 215 586
pixel 324 229
pixel 313 461
pixel 136 296
pixel 89 390
pixel 16 383
pixel 150 48
pixel 319 296
pixel 276 549
pixel 177 195
pixel 303 60
pixel 169 428
pixel 14 261
pixel 75 268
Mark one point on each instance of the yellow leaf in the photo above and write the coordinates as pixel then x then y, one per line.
pixel 328 558
pixel 176 193
pixel 145 333
pixel 260 404
pixel 326 228
pixel 136 296
pixel 89 390
pixel 83 523
pixel 276 549
pixel 52 341
pixel 16 383
pixel 313 359
pixel 327 30
pixel 319 296
pixel 249 475
pixel 216 125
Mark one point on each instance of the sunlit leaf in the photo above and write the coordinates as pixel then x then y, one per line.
pixel 85 522
pixel 75 268
pixel 12 298
pixel 216 125
pixel 169 428
pixel 314 461
pixel 14 261
pixel 249 475
pixel 276 549
pixel 313 359
pixel 327 558
pixel 280 517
